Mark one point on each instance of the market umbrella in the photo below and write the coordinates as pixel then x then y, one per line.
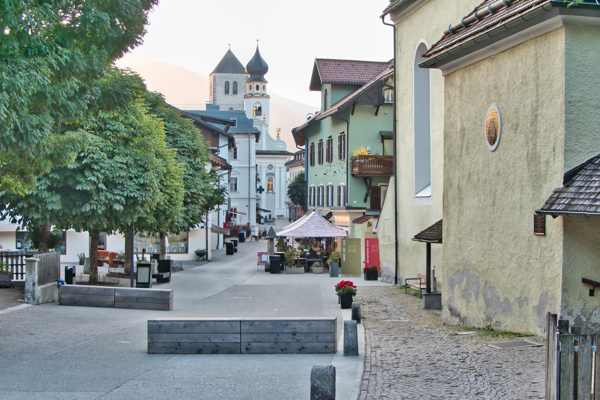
pixel 312 225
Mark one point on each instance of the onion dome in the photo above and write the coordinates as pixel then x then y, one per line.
pixel 257 68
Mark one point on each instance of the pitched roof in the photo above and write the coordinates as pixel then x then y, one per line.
pixel 580 193
pixel 488 22
pixel 344 72
pixel 229 64
pixel 349 100
pixel 433 234
pixel 242 124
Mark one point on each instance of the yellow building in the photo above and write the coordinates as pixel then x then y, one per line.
pixel 520 90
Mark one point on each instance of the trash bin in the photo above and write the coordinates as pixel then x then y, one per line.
pixel 229 248
pixel 275 267
pixel 69 275
pixel 242 236
pixel 235 244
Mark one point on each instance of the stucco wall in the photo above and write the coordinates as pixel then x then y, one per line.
pixel 497 273
pixel 423 26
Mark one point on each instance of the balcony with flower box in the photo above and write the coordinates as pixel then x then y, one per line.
pixel 372 165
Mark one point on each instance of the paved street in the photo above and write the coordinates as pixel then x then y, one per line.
pixel 59 352
pixel 410 355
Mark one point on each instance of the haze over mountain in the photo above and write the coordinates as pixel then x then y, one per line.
pixel 188 90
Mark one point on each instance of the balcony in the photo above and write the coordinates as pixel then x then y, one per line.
pixel 372 165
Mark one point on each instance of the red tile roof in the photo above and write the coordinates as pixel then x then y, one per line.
pixel 344 72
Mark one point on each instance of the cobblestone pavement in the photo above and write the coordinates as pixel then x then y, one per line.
pixel 411 355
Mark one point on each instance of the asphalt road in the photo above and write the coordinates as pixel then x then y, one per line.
pixel 60 352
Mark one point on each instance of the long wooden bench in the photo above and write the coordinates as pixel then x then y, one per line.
pixel 242 336
pixel 116 297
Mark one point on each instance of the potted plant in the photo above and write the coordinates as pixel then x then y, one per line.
pixel 293 266
pixel 81 257
pixel 5 275
pixel 345 291
pixel 334 263
pixel 370 273
pixel 317 268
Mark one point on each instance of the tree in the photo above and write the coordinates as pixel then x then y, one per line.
pixel 113 181
pixel 297 191
pixel 52 53
pixel 201 191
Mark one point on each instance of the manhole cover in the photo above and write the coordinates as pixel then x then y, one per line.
pixel 514 343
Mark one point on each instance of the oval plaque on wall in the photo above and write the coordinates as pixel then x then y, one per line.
pixel 493 127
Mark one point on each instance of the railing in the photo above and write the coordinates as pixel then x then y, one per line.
pixel 15 262
pixel 372 165
pixel 572 364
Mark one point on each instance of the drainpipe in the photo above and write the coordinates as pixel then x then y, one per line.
pixel 394 166
pixel 249 176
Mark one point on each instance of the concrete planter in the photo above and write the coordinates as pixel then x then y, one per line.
pixel 5 278
pixel 318 270
pixel 295 270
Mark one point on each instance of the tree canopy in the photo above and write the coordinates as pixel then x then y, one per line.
pixel 53 53
pixel 297 191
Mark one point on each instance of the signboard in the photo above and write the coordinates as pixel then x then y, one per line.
pixel 351 257
pixel 372 253
pixel 261 258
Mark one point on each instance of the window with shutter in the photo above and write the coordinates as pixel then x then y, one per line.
pixel 320 151
pixel 312 155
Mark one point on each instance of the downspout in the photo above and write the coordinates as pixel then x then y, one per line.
pixel 249 175
pixel 394 166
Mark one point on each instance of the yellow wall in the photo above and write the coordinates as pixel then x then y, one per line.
pixel 497 273
pixel 425 25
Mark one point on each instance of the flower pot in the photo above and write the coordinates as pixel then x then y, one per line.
pixel 295 270
pixel 371 275
pixel 346 301
pixel 5 278
pixel 318 270
pixel 334 268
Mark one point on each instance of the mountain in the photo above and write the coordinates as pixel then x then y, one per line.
pixel 188 90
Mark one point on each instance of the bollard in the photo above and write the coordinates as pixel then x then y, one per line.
pixel 350 338
pixel 322 382
pixel 356 312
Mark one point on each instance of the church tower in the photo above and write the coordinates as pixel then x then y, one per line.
pixel 227 83
pixel 256 99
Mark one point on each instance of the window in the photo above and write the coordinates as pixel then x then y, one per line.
pixel 226 87
pixel 235 88
pixel 235 153
pixel 270 184
pixel 341 202
pixel 250 88
pixel 312 154
pixel 258 88
pixel 56 240
pixel 320 196
pixel 325 99
pixel 233 187
pixel 342 146
pixel 151 243
pixel 375 196
pixel 320 151
pixel 330 195
pixel 311 196
pixel 422 127
pixel 329 150
pixel 257 110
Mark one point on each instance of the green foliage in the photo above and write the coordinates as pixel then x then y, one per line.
pixel 52 55
pixel 335 256
pixel 297 191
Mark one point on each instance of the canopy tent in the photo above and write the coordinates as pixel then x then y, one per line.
pixel 312 225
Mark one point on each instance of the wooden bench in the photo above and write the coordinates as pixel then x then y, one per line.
pixel 420 286
pixel 116 297
pixel 105 256
pixel 242 336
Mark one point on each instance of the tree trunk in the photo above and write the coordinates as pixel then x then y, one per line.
pixel 128 252
pixel 44 234
pixel 163 245
pixel 94 239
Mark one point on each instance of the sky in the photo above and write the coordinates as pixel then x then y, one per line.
pixel 196 34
